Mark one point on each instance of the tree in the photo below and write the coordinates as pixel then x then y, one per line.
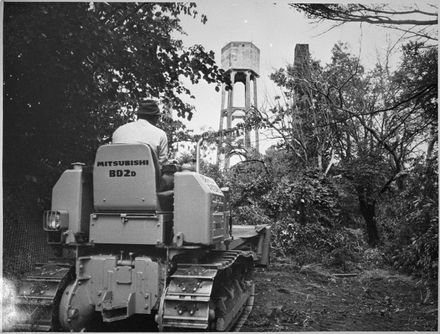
pixel 73 72
pixel 372 122
pixel 298 118
pixel 385 126
pixel 393 17
pixel 417 76
pixel 379 119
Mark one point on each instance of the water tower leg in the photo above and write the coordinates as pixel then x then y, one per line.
pixel 257 135
pixel 247 106
pixel 222 116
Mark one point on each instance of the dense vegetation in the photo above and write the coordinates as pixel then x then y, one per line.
pixel 357 148
pixel 73 72
pixel 358 151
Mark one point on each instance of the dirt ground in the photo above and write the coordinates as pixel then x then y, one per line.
pixel 289 298
pixel 310 298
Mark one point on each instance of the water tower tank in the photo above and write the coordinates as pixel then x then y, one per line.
pixel 241 56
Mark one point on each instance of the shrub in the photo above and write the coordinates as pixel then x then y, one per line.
pixel 302 208
pixel 409 223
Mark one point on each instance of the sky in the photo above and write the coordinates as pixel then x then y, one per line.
pixel 275 28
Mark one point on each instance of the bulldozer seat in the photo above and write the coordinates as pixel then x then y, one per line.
pixel 127 178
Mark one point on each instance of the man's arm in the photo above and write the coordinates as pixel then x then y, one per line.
pixel 163 149
pixel 115 136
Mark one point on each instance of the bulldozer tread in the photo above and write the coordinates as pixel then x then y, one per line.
pixel 39 295
pixel 215 294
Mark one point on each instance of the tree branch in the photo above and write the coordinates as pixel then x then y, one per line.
pixel 361 13
pixel 415 33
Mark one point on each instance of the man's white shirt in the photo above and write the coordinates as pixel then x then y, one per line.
pixel 141 131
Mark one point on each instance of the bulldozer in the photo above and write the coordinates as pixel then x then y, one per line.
pixel 125 246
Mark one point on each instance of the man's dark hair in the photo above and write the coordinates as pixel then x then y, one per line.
pixel 148 110
pixel 150 118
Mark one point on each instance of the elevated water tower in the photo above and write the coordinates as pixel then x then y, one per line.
pixel 241 61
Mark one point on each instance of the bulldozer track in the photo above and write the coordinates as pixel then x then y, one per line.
pixel 245 311
pixel 215 294
pixel 39 295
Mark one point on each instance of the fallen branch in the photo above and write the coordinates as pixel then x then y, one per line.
pixel 345 275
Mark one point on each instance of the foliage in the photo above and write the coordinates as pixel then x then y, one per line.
pixel 303 208
pixel 213 171
pixel 421 18
pixel 362 124
pixel 73 72
pixel 365 127
pixel 369 128
pixel 251 214
pixel 291 238
pixel 410 224
pixel 371 122
pixel 282 162
pixel 309 198
pixel 298 117
pixel 248 181
pixel 306 213
pixel 418 74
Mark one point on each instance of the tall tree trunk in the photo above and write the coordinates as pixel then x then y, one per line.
pixel 320 161
pixel 433 137
pixel 348 149
pixel 429 163
pixel 367 207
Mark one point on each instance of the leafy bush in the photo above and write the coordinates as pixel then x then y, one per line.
pixel 302 208
pixel 373 257
pixel 248 183
pixel 409 222
pixel 250 215
pixel 420 257
pixel 309 198
pixel 289 235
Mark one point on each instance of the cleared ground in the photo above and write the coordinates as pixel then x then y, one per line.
pixel 311 298
pixel 288 297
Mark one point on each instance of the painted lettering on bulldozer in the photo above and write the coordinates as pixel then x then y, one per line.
pixel 122 163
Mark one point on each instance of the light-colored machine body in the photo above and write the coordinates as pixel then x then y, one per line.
pixel 131 247
pixel 199 210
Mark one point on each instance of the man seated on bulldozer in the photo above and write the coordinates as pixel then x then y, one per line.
pixel 144 130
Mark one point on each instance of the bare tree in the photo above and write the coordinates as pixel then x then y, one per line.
pixel 413 21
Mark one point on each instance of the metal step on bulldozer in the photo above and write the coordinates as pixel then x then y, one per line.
pixel 126 245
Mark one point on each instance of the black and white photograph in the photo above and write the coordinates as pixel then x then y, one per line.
pixel 207 166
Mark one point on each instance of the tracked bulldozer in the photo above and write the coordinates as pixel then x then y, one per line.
pixel 125 246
